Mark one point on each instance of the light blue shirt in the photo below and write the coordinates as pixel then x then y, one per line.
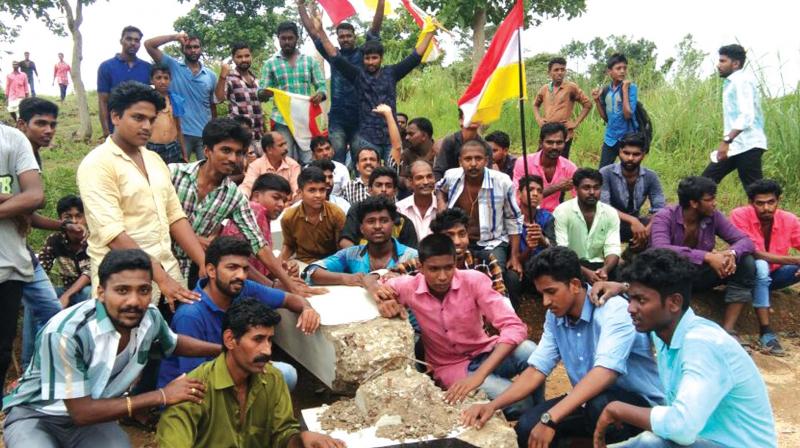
pixel 602 337
pixel 714 390
pixel 741 109
pixel 355 260
pixel 197 91
pixel 617 126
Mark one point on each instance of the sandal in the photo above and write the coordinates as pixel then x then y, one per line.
pixel 770 345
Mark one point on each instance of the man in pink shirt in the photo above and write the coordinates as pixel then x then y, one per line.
pixel 61 74
pixel 275 160
pixel 774 232
pixel 17 89
pixel 450 306
pixel 555 170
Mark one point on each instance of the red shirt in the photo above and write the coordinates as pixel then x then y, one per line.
pixel 231 229
pixel 785 230
pixel 564 170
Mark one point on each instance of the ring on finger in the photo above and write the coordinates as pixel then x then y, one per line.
pixel 193 390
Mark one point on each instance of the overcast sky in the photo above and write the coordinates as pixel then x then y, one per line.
pixel 764 31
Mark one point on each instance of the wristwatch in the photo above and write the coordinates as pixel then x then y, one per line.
pixel 727 139
pixel 547 420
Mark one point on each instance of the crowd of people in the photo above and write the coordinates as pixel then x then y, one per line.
pixel 169 277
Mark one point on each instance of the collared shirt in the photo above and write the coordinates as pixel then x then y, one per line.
pixel 450 150
pixel 422 223
pixel 76 353
pixel 203 320
pixel 243 100
pixel 197 89
pixel 667 231
pixel 341 177
pixel 340 202
pixel 71 264
pixel 452 327
pixel 558 103
pixel 112 72
pixel 288 170
pixel 60 72
pixel 17 86
pixel 508 165
pixel 602 337
pixel 268 421
pixel 355 191
pixel 206 215
pixel 785 231
pixel 498 213
pixel 304 77
pixel 591 244
pixel 485 262
pixel 119 198
pixel 355 260
pixel 231 229
pixel 713 389
pixel 617 126
pixel 615 190
pixel 741 109
pixel 403 229
pixel 564 170
pixel 312 240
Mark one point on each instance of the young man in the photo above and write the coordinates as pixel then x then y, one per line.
pixel 626 186
pixel 605 359
pixel 124 66
pixel 227 284
pixel 555 170
pixel 247 402
pixel 503 161
pixel 166 137
pixel 450 147
pixel 328 168
pixel 715 395
pixel 421 206
pixel 451 306
pixel 321 149
pixel 539 230
pixel 61 73
pixel 590 227
pixel 417 144
pixel 275 160
pixel 557 100
pixel 355 191
pixel 774 232
pixel 240 88
pixel 742 120
pixel 193 81
pixel 616 105
pixel 311 230
pixel 88 356
pixel 691 228
pixel 29 68
pixel 17 89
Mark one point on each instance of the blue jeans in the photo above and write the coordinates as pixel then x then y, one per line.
pixel 300 155
pixel 289 373
pixel 194 145
pixel 649 440
pixel 767 281
pixel 41 303
pixel 497 383
pixel 342 138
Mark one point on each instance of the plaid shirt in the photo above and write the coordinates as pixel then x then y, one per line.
pixel 71 264
pixel 243 100
pixel 206 216
pixel 355 191
pixel 305 77
pixel 486 263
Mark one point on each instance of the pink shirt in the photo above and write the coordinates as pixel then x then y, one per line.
pixel 422 224
pixel 785 230
pixel 564 170
pixel 452 329
pixel 231 229
pixel 16 86
pixel 288 170
pixel 60 72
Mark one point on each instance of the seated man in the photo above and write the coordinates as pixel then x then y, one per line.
pixel 247 402
pixel 715 394
pixel 89 355
pixel 451 305
pixel 328 168
pixel 774 232
pixel 275 160
pixel 227 267
pixel 550 164
pixel 503 161
pixel 626 185
pixel 421 205
pixel 690 228
pixel 538 232
pixel 589 227
pixel 321 149
pixel 355 191
pixel 605 359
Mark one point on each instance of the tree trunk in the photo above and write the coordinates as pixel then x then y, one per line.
pixel 74 21
pixel 478 37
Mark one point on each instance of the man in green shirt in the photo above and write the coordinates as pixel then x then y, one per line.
pixel 247 403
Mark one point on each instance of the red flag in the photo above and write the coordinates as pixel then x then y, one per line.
pixel 337 10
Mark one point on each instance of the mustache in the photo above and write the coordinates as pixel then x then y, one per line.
pixel 261 358
pixel 132 309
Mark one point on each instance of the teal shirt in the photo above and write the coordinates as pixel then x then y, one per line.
pixel 591 244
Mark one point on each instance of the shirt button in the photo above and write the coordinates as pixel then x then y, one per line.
pixel 579 335
pixel 581 358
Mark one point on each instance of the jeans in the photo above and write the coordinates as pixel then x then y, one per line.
pixel 194 145
pixel 300 155
pixel 344 140
pixel 384 151
pixel 289 373
pixel 11 294
pixel 63 90
pixel 649 440
pixel 739 286
pixel 27 427
pixel 41 303
pixel 500 379
pixel 747 164
pixel 767 281
pixel 608 154
pixel 30 83
pixel 169 152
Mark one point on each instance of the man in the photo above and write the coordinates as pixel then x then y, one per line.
pixel 240 88
pixel 451 306
pixel 17 89
pixel 421 206
pixel 715 395
pixel 590 227
pixel 61 71
pixel 88 357
pixel 293 72
pixel 328 168
pixel 774 232
pixel 355 191
pixel 690 228
pixel 744 142
pixel 450 147
pixel 191 80
pixel 402 122
pixel 275 160
pixel 557 100
pixel 626 185
pixel 247 402
pixel 417 144
pixel 538 233
pixel 227 284
pixel 29 68
pixel 605 359
pixel 503 161
pixel 616 105
pixel 321 149
pixel 124 66
pixel 555 170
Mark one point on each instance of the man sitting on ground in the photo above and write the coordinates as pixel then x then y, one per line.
pixel 367 159
pixel 421 206
pixel 275 160
pixel 548 163
pixel 447 157
pixel 538 233
pixel 503 161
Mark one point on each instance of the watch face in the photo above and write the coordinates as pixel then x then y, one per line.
pixel 546 417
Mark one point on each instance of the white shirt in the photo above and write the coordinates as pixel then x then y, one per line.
pixel 422 223
pixel 341 176
pixel 741 109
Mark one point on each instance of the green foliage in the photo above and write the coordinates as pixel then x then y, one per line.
pixel 460 13
pixel 641 56
pixel 49 12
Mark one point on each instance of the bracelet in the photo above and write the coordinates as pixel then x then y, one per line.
pixel 163 396
pixel 130 406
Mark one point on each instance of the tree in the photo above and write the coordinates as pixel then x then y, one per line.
pixel 641 55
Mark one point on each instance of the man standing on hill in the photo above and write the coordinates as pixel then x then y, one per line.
pixel 61 73
pixel 29 68
pixel 743 121
pixel 616 104
pixel 17 89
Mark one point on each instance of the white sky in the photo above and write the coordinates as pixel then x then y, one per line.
pixel 764 31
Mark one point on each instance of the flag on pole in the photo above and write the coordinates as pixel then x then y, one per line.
pixel 337 10
pixel 305 119
pixel 497 78
pixel 432 53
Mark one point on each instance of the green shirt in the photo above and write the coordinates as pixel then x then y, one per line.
pixel 592 245
pixel 269 419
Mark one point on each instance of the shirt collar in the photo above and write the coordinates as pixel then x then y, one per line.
pixel 704 221
pixel 103 321
pixel 221 377
pixel 116 150
pixel 119 57
pixel 398 251
pixel 680 331
pixel 301 212
pixel 587 312
pixel 422 285
pixel 205 299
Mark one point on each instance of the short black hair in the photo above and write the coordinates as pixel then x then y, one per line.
pixel 367 148
pixel 345 26
pixel 693 188
pixel 239 46
pixel 131 29
pixel 499 138
pixel 159 67
pixel 423 124
pixel 372 47
pixel 524 181
pixel 287 26
pixel 272 182
pixel 223 246
pixel 735 52
pixel 374 204
pixel 32 106
pixel 449 218
pixel 764 186
pixel 245 314
pixel 559 262
pixel 616 58
pixel 267 141
pixel 383 171
pixel 586 173
pixel 221 129
pixel 556 60
pixel 243 120
pixel 318 141
pixel 118 260
pixel 636 139
pixel 323 164
pixel 67 202
pixel 550 129
pixel 310 174
pixel 662 270
pixel 475 143
pixel 128 93
pixel 434 245
pixel 399 114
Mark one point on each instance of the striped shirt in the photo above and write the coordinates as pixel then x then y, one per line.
pixel 304 77
pixel 76 353
pixel 355 191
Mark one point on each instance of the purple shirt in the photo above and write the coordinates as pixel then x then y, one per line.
pixel 668 232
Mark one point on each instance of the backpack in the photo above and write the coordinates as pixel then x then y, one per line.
pixel 641 119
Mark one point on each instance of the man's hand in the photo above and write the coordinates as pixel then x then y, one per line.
pixel 390 309
pixel 300 288
pixel 308 322
pixel 183 389
pixel 565 185
pixel 224 70
pixel 596 93
pixel 463 387
pixel 64 299
pixel 722 151
pixel 182 38
pixel 571 125
pixel 384 293
pixel 75 231
pixel 477 415
pixel 205 241
pixel 514 265
pixel 318 98
pixel 626 84
pixel 174 291
pixel 590 275
pixel 602 274
pixel 718 263
pixel 602 291
pixel 533 235
pixel 291 268
pixel 541 436
pixel 606 419
pixel 383 109
pixel 640 233
pixel 316 440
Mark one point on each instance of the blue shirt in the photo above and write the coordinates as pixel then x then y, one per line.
pixel 714 390
pixel 545 220
pixel 116 70
pixel 617 126
pixel 203 320
pixel 196 89
pixel 355 259
pixel 605 337
pixel 615 190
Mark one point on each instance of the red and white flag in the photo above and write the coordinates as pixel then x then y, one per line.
pixel 337 10
pixel 419 16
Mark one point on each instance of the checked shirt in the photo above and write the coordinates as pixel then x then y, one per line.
pixel 304 78
pixel 243 100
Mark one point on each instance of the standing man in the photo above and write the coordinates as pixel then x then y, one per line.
pixel 29 68
pixel 17 89
pixel 60 74
pixel 744 141
pixel 616 104
pixel 555 170
pixel 503 161
pixel 275 160
pixel 557 100
pixel 240 88
pixel 421 206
